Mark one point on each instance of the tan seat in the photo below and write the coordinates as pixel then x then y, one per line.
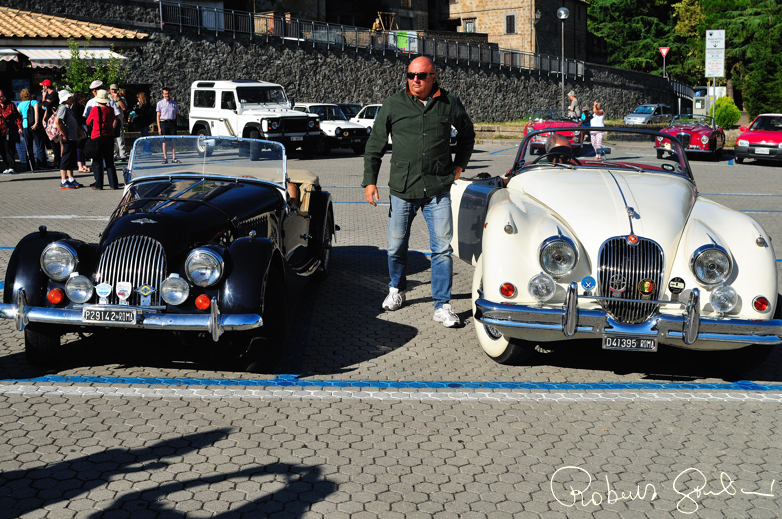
pixel 306 181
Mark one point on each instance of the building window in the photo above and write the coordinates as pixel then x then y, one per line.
pixel 406 4
pixel 510 24
pixel 469 25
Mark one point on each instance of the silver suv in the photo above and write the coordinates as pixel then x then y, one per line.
pixel 651 113
pixel 252 109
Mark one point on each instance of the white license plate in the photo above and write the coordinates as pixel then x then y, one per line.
pixel 762 151
pixel 355 140
pixel 93 315
pixel 297 138
pixel 629 343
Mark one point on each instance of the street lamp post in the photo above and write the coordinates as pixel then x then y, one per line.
pixel 562 14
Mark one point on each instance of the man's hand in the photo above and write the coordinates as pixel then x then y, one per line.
pixel 458 173
pixel 371 194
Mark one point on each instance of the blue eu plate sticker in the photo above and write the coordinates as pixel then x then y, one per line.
pixel 588 283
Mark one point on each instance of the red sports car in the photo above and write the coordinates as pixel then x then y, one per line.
pixel 542 119
pixel 697 133
pixel 762 140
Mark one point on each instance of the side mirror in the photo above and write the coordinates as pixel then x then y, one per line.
pixel 292 102
pixel 743 129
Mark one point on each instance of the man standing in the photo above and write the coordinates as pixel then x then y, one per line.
pixel 119 101
pixel 574 109
pixel 50 102
pixel 167 111
pixel 419 119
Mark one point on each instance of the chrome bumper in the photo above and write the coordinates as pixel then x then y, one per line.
pixel 146 318
pixel 569 321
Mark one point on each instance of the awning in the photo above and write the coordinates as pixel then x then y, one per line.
pixel 8 55
pixel 56 57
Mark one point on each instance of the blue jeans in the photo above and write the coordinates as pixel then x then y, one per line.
pixel 437 213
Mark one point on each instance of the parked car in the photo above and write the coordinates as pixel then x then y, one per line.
pixel 335 129
pixel 366 117
pixel 621 249
pixel 541 119
pixel 253 110
pixel 697 133
pixel 650 114
pixel 762 140
pixel 349 109
pixel 207 245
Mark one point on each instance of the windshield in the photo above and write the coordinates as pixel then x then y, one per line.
pixel 328 112
pixel 349 109
pixel 257 95
pixel 202 155
pixel 610 148
pixel 550 115
pixel 768 123
pixel 644 109
pixel 703 120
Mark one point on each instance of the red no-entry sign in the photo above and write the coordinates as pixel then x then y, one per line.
pixel 664 50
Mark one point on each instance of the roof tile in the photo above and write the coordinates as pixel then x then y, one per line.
pixel 25 24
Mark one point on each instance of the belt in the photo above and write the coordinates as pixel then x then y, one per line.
pixel 166 120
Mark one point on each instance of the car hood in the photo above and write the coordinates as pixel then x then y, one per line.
pixel 688 128
pixel 342 124
pixel 762 137
pixel 594 204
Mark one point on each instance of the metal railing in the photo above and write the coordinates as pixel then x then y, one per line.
pixel 267 26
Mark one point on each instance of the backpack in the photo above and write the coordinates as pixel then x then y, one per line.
pixel 54 133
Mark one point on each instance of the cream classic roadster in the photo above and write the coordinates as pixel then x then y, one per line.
pixel 618 246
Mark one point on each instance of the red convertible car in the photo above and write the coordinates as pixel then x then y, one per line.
pixel 542 119
pixel 697 133
pixel 762 140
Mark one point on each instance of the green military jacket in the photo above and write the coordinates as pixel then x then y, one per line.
pixel 421 164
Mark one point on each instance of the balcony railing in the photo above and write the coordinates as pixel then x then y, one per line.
pixel 306 32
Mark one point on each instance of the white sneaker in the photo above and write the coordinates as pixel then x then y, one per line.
pixel 8 171
pixel 445 315
pixel 394 300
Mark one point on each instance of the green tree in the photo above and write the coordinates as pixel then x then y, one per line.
pixel 78 74
pixel 727 113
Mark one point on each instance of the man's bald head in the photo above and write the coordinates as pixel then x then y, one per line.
pixel 421 87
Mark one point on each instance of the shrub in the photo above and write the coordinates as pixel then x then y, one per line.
pixel 727 113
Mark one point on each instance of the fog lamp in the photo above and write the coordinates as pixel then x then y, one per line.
pixel 174 290
pixel 723 299
pixel 542 287
pixel 79 289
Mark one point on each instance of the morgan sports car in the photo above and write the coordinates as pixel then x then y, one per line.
pixel 203 246
pixel 541 119
pixel 762 140
pixel 622 249
pixel 697 133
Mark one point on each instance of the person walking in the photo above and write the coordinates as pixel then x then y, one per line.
pixel 101 120
pixel 69 127
pixel 119 100
pixel 597 121
pixel 10 131
pixel 167 112
pixel 419 118
pixel 32 125
pixel 50 102
pixel 574 108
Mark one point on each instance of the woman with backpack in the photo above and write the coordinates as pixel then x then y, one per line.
pixel 32 126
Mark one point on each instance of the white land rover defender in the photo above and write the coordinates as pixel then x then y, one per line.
pixel 253 109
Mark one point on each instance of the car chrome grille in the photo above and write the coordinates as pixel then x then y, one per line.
pixel 622 266
pixel 294 124
pixel 684 138
pixel 138 260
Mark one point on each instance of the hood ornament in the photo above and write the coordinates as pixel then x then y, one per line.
pixel 142 221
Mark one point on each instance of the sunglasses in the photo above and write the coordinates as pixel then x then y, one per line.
pixel 421 75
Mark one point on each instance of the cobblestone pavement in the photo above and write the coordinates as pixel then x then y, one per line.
pixel 376 414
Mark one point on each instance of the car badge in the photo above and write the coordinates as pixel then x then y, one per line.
pixel 142 221
pixel 676 286
pixel 123 292
pixel 588 284
pixel 104 291
pixel 145 291
pixel 646 288
pixel 632 239
pixel 617 285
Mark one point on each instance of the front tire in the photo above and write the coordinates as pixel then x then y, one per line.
pixel 659 154
pixel 325 250
pixel 203 149
pixel 739 160
pixel 736 362
pixel 359 149
pixel 497 346
pixel 321 148
pixel 255 147
pixel 42 345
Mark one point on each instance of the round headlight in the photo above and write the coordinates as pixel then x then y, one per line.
pixel 659 139
pixel 78 289
pixel 558 256
pixel 723 299
pixel 743 142
pixel 337 130
pixel 274 125
pixel 58 260
pixel 576 132
pixel 541 287
pixel 174 290
pixel 711 265
pixel 704 139
pixel 311 123
pixel 369 130
pixel 204 267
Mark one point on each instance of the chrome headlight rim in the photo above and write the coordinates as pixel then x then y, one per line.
pixel 79 294
pixel 698 254
pixel 73 263
pixel 705 139
pixel 218 263
pixel 723 299
pixel 550 241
